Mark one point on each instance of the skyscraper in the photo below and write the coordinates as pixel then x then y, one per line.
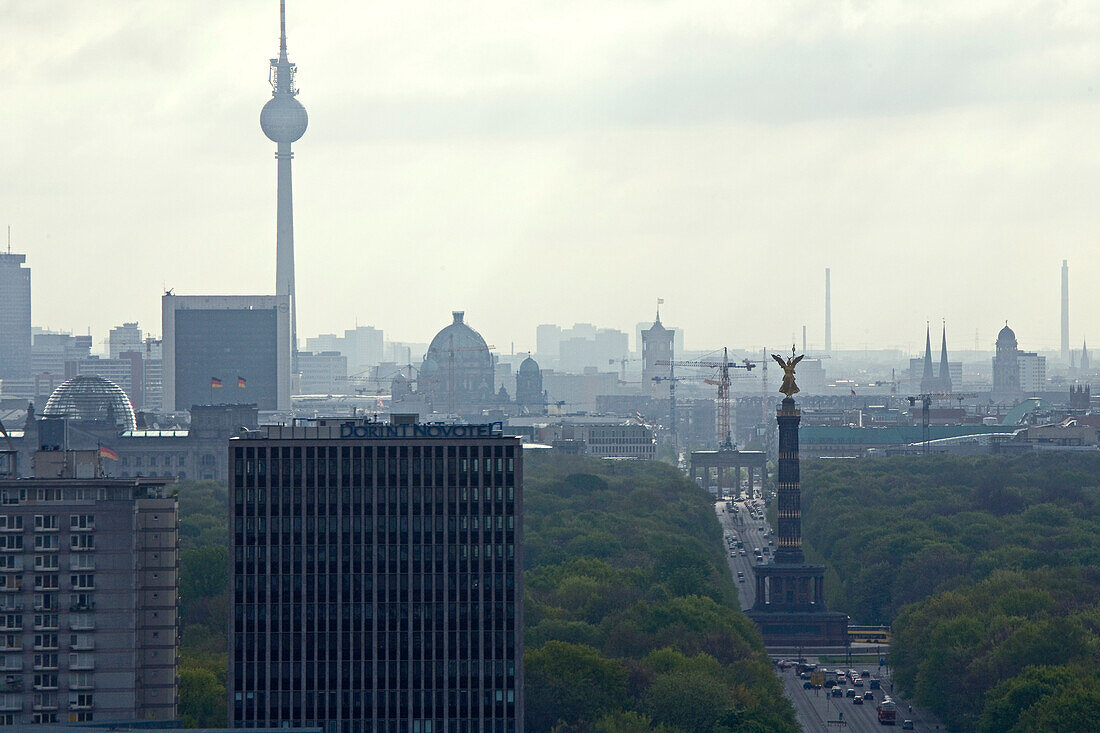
pixel 284 120
pixel 376 577
pixel 15 317
pixel 828 314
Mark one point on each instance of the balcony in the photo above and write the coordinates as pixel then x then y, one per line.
pixel 79 625
pixel 81 562
pixel 89 528
pixel 5 627
pixel 10 706
pixel 6 528
pixel 83 645
pixel 10 605
pixel 46 687
pixel 77 606
pixel 12 588
pixel 17 646
pixel 13 548
pixel 11 564
pixel 78 706
pixel 77 685
pixel 45 705
pixel 82 665
pixel 11 683
pixel 81 548
pixel 47 667
pixel 46 568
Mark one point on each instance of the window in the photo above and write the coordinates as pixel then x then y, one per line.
pixel 46 562
pixel 45 582
pixel 47 542
pixel 45 641
pixel 82 581
pixel 80 681
pixel 10 522
pixel 46 661
pixel 45 522
pixel 82 542
pixel 81 521
pixel 11 621
pixel 11 542
pixel 45 621
pixel 45 602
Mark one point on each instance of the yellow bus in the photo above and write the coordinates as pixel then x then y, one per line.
pixel 869 634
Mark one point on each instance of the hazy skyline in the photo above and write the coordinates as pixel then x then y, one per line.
pixel 567 161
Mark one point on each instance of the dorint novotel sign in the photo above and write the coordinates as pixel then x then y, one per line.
pixel 352 429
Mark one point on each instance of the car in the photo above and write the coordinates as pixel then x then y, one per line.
pixel 837 692
pixel 907 724
pixel 807 685
pixel 741 579
pixel 849 692
pixel 742 553
pixel 868 695
pixel 804 676
pixel 864 673
pixel 857 700
pixel 858 682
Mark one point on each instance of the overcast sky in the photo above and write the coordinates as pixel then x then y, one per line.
pixel 567 160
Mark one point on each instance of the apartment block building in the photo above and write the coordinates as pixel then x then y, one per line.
pixel 88 594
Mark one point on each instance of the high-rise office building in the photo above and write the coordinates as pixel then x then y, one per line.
pixel 241 341
pixel 88 594
pixel 376 577
pixel 15 317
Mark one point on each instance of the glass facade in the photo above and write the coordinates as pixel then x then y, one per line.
pixel 376 584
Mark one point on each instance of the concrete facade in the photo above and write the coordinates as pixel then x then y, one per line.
pixel 88 595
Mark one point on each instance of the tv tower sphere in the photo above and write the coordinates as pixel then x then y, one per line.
pixel 283 119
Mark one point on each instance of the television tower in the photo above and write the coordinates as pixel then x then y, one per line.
pixel 283 119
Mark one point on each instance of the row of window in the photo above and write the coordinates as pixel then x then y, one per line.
pixel 46 522
pixel 47 542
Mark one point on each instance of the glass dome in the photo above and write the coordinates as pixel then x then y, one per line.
pixel 91 398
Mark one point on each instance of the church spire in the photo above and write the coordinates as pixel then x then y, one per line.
pixel 945 368
pixel 928 378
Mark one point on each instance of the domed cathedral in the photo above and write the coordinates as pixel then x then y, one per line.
pixel 457 374
pixel 529 395
pixel 1006 366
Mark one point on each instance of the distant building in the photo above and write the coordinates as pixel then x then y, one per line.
pixel 1006 366
pixel 1085 366
pixel 1032 369
pixel 126 337
pixel 936 381
pixel 363 346
pixel 323 373
pixel 657 344
pixel 529 394
pixel 227 338
pixel 1080 397
pixel 457 373
pixel 15 317
pixel 88 571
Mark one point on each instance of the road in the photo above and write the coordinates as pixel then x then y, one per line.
pixel 814 708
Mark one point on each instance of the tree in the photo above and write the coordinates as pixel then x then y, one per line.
pixel 572 683
pixel 202 701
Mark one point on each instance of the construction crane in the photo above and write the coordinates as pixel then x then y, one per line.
pixel 926 407
pixel 723 383
pixel 622 366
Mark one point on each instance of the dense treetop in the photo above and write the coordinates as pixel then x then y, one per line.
pixel 988 569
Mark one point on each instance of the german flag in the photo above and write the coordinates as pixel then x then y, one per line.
pixel 215 383
pixel 105 452
pixel 240 382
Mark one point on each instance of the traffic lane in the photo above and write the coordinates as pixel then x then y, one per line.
pixel 815 708
pixel 746 591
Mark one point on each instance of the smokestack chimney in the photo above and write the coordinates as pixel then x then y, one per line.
pixel 803 339
pixel 1065 310
pixel 828 316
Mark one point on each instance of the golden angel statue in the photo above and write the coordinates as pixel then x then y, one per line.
pixel 788 387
